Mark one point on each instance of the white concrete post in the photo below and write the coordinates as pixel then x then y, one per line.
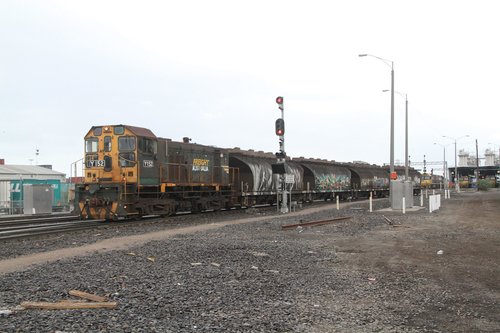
pixel 338 205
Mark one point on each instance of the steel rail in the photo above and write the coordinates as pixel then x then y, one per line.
pixel 23 231
pixel 4 222
pixel 314 223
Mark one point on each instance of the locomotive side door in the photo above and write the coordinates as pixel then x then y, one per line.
pixel 149 165
pixel 217 168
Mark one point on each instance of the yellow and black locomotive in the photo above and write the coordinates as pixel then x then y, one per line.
pixel 131 172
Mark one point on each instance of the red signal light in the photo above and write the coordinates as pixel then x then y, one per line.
pixel 280 126
pixel 279 101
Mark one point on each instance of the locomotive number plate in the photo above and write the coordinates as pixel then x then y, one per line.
pixel 95 164
pixel 147 163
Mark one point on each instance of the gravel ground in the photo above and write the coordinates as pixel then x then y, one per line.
pixel 250 277
pixel 17 247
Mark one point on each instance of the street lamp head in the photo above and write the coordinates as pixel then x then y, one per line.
pixel 405 96
pixel 362 55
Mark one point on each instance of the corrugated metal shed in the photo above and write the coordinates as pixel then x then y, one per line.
pixel 16 172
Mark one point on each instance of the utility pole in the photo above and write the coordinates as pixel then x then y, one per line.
pixel 477 167
pixel 456 178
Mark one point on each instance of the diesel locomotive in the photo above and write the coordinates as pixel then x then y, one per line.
pixel 130 172
pixel 431 181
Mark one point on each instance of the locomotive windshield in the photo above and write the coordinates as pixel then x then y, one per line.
pixel 147 146
pixel 126 146
pixel 107 143
pixel 127 159
pixel 119 130
pixel 91 145
pixel 126 143
pixel 91 149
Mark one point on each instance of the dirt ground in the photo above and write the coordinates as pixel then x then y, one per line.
pixel 464 277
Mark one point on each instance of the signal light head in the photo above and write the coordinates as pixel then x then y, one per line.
pixel 280 126
pixel 279 101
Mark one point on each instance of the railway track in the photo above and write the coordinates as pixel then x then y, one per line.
pixel 29 227
pixel 39 219
pixel 17 227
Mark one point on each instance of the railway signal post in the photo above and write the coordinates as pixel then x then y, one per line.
pixel 280 166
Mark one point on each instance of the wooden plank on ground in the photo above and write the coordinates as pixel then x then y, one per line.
pixel 314 223
pixel 88 296
pixel 68 305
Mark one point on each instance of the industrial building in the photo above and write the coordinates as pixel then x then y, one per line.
pixel 468 165
pixel 15 180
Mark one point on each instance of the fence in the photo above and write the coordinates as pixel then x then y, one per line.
pixel 434 202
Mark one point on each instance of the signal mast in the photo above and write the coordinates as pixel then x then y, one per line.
pixel 280 167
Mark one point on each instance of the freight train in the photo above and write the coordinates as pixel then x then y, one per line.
pixel 130 172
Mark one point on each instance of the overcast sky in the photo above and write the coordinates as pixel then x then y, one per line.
pixel 211 70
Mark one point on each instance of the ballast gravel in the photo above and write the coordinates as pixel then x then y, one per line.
pixel 252 277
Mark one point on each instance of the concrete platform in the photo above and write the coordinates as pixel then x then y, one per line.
pixel 408 210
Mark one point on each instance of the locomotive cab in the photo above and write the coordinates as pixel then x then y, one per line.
pixel 426 180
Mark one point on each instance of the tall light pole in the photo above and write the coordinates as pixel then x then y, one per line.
pixel 457 187
pixel 445 179
pixel 406 130
pixel 389 63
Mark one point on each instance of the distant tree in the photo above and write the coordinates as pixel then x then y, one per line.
pixel 484 185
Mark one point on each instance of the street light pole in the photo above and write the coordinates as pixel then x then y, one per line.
pixel 392 117
pixel 406 138
pixel 389 63
pixel 457 187
pixel 406 132
pixel 445 179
